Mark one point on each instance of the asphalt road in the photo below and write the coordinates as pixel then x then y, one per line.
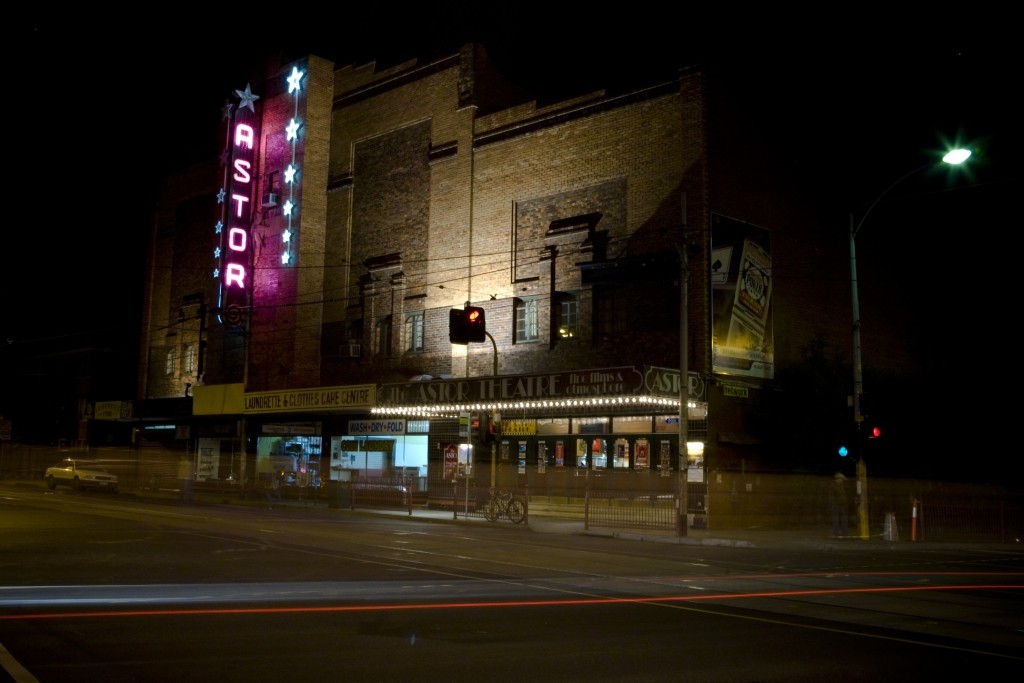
pixel 118 588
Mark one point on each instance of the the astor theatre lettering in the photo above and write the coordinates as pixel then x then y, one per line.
pixel 553 386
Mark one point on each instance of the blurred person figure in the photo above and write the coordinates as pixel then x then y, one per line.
pixel 838 507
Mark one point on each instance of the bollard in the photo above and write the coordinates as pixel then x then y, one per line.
pixel 891 532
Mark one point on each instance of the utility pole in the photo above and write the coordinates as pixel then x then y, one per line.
pixel 682 243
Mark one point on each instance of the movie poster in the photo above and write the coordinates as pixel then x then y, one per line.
pixel 741 293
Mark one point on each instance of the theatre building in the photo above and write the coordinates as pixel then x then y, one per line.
pixel 302 283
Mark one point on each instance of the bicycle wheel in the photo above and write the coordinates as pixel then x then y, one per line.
pixel 491 510
pixel 516 511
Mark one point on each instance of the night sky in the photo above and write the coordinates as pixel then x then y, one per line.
pixel 852 103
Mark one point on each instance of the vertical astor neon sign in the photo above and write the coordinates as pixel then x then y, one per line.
pixel 234 250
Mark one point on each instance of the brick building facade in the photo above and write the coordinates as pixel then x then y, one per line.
pixel 425 187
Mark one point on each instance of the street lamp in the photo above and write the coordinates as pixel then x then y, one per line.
pixel 954 157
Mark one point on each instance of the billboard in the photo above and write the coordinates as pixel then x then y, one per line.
pixel 741 296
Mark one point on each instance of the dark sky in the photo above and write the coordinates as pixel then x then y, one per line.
pixel 103 111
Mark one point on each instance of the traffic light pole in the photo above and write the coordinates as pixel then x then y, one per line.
pixel 494 345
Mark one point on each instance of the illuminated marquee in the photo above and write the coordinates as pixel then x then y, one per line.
pixel 234 250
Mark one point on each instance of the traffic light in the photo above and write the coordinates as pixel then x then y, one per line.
pixel 488 428
pixel 467 325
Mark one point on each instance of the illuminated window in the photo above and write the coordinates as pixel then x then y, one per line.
pixel 414 332
pixel 382 336
pixel 568 317
pixel 172 358
pixel 526 320
pixel 188 360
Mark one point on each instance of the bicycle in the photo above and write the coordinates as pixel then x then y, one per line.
pixel 504 503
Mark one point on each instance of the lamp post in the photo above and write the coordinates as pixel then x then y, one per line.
pixel 955 157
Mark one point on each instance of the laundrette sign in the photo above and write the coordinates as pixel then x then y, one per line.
pixel 305 400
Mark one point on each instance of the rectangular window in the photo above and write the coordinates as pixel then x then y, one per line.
pixel 274 182
pixel 526 320
pixel 414 332
pixel 611 310
pixel 172 359
pixel 382 336
pixel 189 360
pixel 568 318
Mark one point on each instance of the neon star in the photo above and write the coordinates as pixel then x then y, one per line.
pixel 287 208
pixel 216 273
pixel 217 229
pixel 221 195
pixel 227 109
pixel 293 129
pixel 294 80
pixel 286 236
pixel 216 252
pixel 285 257
pixel 247 98
pixel 289 174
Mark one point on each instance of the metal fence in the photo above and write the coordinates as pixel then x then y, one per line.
pixel 631 510
pixel 906 509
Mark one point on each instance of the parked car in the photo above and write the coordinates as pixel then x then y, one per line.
pixel 80 474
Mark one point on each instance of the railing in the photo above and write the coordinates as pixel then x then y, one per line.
pixel 630 509
pixel 374 492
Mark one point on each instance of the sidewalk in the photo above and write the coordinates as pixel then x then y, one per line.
pixel 806 539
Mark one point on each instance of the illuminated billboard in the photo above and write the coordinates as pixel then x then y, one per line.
pixel 741 294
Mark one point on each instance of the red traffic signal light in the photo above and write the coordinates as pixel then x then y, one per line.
pixel 875 433
pixel 467 325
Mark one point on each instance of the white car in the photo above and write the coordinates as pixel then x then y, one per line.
pixel 80 474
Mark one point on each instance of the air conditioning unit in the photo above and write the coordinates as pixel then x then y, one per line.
pixel 270 200
pixel 349 350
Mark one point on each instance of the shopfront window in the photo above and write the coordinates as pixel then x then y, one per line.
pixel 283 461
pixel 599 453
pixel 582 461
pixel 620 459
pixel 355 457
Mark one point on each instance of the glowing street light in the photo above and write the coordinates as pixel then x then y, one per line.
pixel 954 157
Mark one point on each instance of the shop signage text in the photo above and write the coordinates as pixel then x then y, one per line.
pixel 665 382
pixel 359 427
pixel 311 400
pixel 559 385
